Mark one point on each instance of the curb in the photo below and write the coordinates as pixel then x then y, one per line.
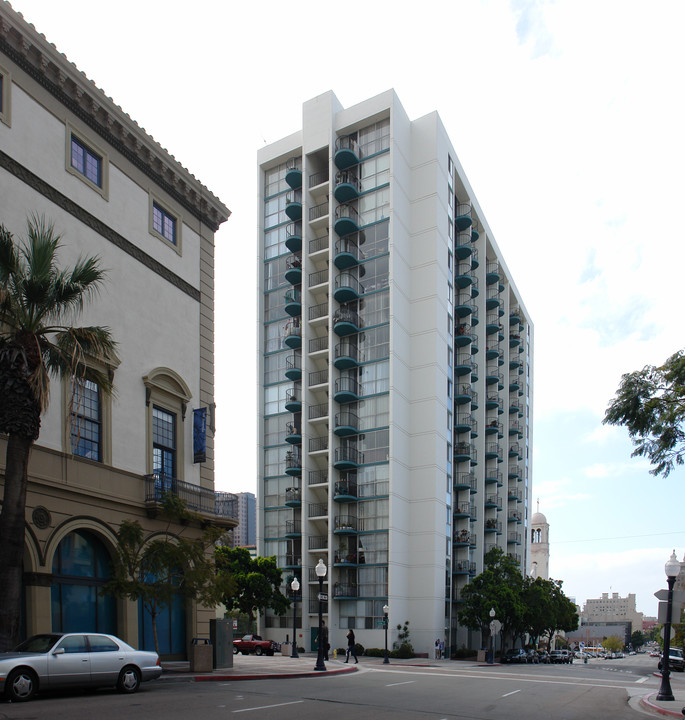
pixel 646 702
pixel 214 677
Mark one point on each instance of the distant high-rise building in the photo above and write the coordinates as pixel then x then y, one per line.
pixel 246 532
pixel 612 610
pixel 396 374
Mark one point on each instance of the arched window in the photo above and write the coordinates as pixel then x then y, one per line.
pixel 81 566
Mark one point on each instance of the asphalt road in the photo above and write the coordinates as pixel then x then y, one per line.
pixel 600 689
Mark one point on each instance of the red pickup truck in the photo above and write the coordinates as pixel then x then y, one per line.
pixel 255 644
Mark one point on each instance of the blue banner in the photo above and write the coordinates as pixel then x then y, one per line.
pixel 200 435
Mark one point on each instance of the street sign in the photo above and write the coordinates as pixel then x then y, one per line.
pixel 495 626
pixel 678 596
pixel 323 596
pixel 235 623
pixel 672 633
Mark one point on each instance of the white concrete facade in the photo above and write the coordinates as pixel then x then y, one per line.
pixel 395 384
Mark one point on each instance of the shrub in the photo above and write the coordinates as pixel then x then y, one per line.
pixel 358 649
pixel 464 652
pixel 374 652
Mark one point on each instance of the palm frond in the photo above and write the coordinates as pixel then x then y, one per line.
pixel 74 349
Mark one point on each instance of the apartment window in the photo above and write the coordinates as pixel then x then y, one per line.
pixel 86 420
pixel 163 442
pixel 164 223
pixel 5 83
pixel 86 161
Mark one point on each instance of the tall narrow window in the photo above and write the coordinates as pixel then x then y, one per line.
pixel 5 82
pixel 163 442
pixel 86 420
pixel 86 161
pixel 163 223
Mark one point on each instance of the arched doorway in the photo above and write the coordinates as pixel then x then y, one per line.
pixel 81 567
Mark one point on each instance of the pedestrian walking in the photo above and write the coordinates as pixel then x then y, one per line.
pixel 350 647
pixel 324 640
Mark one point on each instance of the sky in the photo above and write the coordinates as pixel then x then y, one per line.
pixel 568 118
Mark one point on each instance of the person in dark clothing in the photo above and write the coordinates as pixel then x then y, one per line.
pixel 324 639
pixel 350 646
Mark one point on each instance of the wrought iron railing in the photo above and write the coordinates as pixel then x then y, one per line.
pixel 199 499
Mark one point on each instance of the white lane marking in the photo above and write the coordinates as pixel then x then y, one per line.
pixel 513 692
pixel 266 707
pixel 642 679
pixel 408 682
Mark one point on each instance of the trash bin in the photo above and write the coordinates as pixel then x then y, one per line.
pixel 221 637
pixel 480 657
pixel 200 655
pixel 286 650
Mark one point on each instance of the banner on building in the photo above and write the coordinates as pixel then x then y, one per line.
pixel 200 435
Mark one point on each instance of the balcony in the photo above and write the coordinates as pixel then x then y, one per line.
pixel 464 308
pixel 463 451
pixel 516 429
pixel 346 488
pixel 462 247
pixel 346 355
pixel 346 423
pixel 493 452
pixel 293 302
pixel 514 382
pixel 347 390
pixel 347 252
pixel 318 411
pixel 292 335
pixel 493 300
pixel 220 505
pixel 318 378
pixel 317 511
pixel 462 538
pixel 293 528
pixel 347 288
pixel 343 560
pixel 494 377
pixel 318 444
pixel 493 272
pixel 319 179
pixel 318 345
pixel 460 567
pixel 293 401
pixel 462 510
pixel 493 351
pixel 293 237
pixel 293 562
pixel 346 220
pixel 493 427
pixel 474 287
pixel 347 152
pixel 346 322
pixel 462 275
pixel 514 362
pixel 475 231
pixel 318 477
pixel 514 341
pixel 515 407
pixel 465 481
pixel 514 472
pixel 493 526
pixel 463 335
pixel 514 494
pixel 463 363
pixel 493 501
pixel 492 402
pixel 293 497
pixel 293 434
pixel 515 516
pixel 515 451
pixel 293 367
pixel 318 244
pixel 343 591
pixel 293 272
pixel 514 538
pixel 293 205
pixel 493 476
pixel 515 315
pixel 347 458
pixel 318 214
pixel 475 262
pixel 345 525
pixel 293 464
pixel 347 186
pixel 463 217
pixel 293 172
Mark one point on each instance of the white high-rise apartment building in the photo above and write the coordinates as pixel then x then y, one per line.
pixel 395 358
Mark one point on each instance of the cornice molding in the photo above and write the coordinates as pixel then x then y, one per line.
pixel 41 60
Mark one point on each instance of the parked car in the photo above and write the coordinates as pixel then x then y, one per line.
pixel 532 657
pixel 514 655
pixel 256 644
pixel 675 660
pixel 543 657
pixel 59 660
pixel 561 656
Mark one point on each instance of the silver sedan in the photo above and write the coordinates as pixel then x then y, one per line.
pixel 78 660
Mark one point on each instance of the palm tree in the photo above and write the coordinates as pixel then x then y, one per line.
pixel 38 301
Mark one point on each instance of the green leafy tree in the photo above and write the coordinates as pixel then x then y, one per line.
pixel 539 607
pixel 38 304
pixel 257 582
pixel 498 587
pixel 613 643
pixel 637 639
pixel 562 615
pixel 153 570
pixel 650 403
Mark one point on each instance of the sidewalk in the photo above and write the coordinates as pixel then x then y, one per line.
pixel 667 708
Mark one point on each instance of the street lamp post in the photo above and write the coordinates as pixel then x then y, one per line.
pixel 386 610
pixel 491 654
pixel 672 569
pixel 320 570
pixel 295 585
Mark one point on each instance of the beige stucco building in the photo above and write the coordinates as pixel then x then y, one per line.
pixel 611 610
pixel 70 154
